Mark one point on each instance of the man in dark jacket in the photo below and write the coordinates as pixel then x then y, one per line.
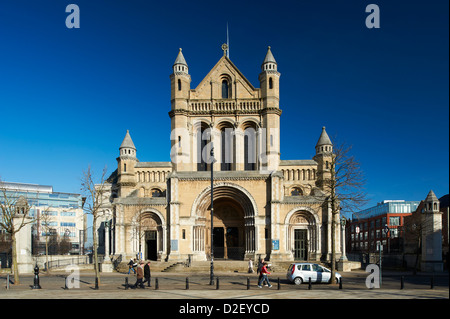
pixel 147 274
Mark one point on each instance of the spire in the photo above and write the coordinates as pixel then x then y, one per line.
pixel 431 197
pixel 324 139
pixel 180 59
pixel 269 56
pixel 127 142
pixel 269 64
pixel 228 44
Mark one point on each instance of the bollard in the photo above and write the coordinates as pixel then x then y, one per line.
pixel 156 284
pixel 187 283
pixel 402 282
pixel 340 283
pixel 278 284
pixel 217 281
pixel 65 283
pixel 126 283
pixel 432 282
pixel 96 283
pixel 36 278
pixel 248 283
pixel 309 284
pixel 7 282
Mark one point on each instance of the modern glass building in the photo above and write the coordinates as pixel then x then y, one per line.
pixel 56 215
pixel 380 224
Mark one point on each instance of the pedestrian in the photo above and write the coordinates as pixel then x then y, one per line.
pixel 147 274
pixel 258 270
pixel 264 277
pixel 250 266
pixel 130 266
pixel 139 275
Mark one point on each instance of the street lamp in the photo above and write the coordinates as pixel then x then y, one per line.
pixel 211 276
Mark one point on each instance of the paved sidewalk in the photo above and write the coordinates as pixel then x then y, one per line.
pixel 231 286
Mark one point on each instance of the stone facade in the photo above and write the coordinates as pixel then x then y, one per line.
pixel 262 205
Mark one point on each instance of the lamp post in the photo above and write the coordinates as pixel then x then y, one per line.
pixel 211 275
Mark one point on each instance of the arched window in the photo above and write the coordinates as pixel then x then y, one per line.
pixel 227 148
pixel 179 85
pixel 270 83
pixel 203 137
pixel 225 89
pixel 156 193
pixel 250 143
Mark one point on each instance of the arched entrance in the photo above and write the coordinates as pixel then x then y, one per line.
pixel 149 234
pixel 228 232
pixel 233 223
pixel 303 234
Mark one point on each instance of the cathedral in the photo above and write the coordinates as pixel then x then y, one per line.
pixel 225 165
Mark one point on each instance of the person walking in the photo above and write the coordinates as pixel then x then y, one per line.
pixel 263 276
pixel 250 266
pixel 147 274
pixel 139 275
pixel 131 266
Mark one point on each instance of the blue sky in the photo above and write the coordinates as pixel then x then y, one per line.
pixel 67 96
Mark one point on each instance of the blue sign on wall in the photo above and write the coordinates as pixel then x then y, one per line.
pixel 275 244
pixel 174 245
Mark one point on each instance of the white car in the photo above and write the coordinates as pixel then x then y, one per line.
pixel 301 272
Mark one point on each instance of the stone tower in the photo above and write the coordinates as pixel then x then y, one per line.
pixel 180 84
pixel 431 234
pixel 324 158
pixel 126 163
pixel 269 80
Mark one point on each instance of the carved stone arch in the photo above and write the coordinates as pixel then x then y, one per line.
pixel 303 223
pixel 204 198
pixel 234 216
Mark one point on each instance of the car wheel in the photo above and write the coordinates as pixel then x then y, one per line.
pixel 298 281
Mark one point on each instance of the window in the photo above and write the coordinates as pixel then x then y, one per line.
pixel 296 191
pixel 306 267
pixel 226 148
pixel 394 221
pixel 250 149
pixel 124 167
pixel 179 85
pixel 225 89
pixel 156 193
pixel 270 83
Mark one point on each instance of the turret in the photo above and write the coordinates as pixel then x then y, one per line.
pixel 324 159
pixel 180 83
pixel 431 235
pixel 126 163
pixel 269 80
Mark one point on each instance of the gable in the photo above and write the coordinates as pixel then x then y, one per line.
pixel 224 69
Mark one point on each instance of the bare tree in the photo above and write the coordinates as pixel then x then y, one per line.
pixel 46 221
pixel 413 229
pixel 92 206
pixel 14 215
pixel 345 188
